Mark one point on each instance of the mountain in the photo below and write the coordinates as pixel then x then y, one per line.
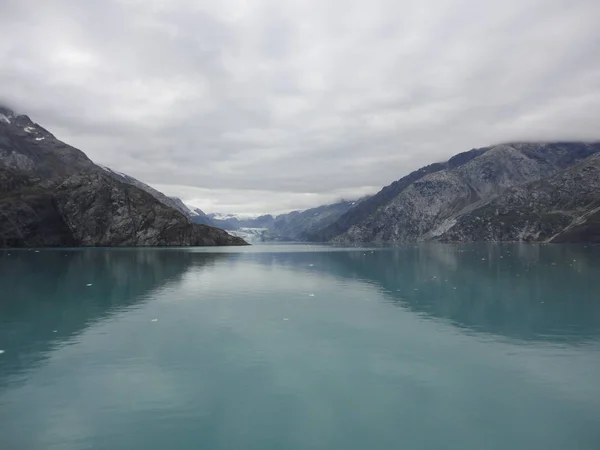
pixel 562 208
pixel 238 221
pixel 451 201
pixel 171 202
pixel 196 215
pixel 305 225
pixel 294 226
pixel 370 204
pixel 52 194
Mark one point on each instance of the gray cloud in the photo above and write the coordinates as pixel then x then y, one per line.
pixel 272 105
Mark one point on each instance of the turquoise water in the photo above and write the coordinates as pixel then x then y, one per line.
pixel 301 347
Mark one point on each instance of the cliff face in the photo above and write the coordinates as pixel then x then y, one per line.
pixel 562 208
pixel 52 194
pixel 437 204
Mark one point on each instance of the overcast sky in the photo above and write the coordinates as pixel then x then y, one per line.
pixel 266 106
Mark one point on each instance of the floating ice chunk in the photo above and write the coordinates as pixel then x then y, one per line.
pixel 454 287
pixel 89 284
pixel 154 320
pixel 1 351
pixel 285 318
pixel 311 295
pixel 311 265
pixel 37 251
pixel 55 331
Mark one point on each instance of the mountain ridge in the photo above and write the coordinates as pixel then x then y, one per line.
pixel 425 204
pixel 52 194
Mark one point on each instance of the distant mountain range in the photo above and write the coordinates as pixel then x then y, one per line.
pixel 546 192
pixel 52 194
pixel 294 226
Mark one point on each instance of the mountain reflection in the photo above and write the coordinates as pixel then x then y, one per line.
pixel 529 292
pixel 45 297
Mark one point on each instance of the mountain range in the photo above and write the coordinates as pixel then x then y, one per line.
pixel 293 226
pixel 52 194
pixel 547 192
pixel 524 191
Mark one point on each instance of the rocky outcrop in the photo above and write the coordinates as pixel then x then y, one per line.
pixel 362 210
pixel 52 194
pixel 561 208
pixel 430 203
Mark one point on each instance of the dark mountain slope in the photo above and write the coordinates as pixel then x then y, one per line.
pixel 52 194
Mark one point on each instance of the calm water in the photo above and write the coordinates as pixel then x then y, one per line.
pixel 301 347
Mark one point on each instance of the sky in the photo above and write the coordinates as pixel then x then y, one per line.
pixel 240 106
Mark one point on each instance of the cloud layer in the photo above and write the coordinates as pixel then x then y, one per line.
pixel 271 105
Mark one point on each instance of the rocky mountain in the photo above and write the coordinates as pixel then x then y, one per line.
pixel 305 225
pixel 52 194
pixel 442 201
pixel 171 202
pixel 196 215
pixel 562 208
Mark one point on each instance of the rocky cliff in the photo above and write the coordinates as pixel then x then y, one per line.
pixel 52 194
pixel 562 208
pixel 435 202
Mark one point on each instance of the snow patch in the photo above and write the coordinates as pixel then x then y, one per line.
pixel 191 210
pixel 40 139
pixel 219 216
pixel 4 118
pixel 29 129
pixel 108 169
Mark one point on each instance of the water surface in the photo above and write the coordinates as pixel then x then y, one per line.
pixel 301 347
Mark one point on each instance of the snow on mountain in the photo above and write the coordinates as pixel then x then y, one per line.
pixel 220 216
pixel 115 172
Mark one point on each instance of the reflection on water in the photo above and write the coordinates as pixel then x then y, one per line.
pixel 427 346
pixel 46 297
